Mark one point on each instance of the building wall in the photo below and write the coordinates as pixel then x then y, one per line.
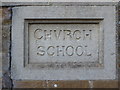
pixel 5 56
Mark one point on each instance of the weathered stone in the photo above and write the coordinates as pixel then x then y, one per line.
pixel 63 43
pixel 0 40
pixel 0 83
pixel 105 84
pixel 0 64
pixel 6 23
pixel 24 49
pixel 6 15
pixel 62 3
pixel 68 84
pixel 0 48
pixel 50 84
pixel 0 43
pixel 5 38
pixel 29 84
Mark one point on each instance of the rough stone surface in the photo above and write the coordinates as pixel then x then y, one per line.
pixel 37 12
pixel 0 42
pixel 51 84
pixel 0 83
pixel 0 47
pixel 105 84
pixel 43 84
pixel 0 59
pixel 119 44
pixel 58 3
pixel 6 24
pixel 29 84
pixel 68 84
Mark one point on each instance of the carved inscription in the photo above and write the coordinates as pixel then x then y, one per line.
pixel 63 42
pixel 67 34
pixel 70 50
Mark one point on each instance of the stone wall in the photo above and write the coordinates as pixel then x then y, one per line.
pixel 6 36
pixel 7 82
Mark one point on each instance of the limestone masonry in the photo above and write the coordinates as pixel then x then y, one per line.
pixel 77 41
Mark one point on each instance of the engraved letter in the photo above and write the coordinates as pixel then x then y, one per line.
pixel 60 50
pixel 41 51
pixel 50 54
pixel 37 34
pixel 87 34
pixel 86 50
pixel 79 50
pixel 68 33
pixel 57 35
pixel 47 35
pixel 71 52
pixel 76 34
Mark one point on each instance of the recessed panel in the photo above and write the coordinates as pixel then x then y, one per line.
pixel 64 42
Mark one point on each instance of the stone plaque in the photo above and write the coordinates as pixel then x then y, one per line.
pixel 64 42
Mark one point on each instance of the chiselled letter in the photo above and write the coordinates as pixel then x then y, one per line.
pixel 41 51
pixel 37 34
pixel 50 48
pixel 47 34
pixel 67 33
pixel 72 50
pixel 76 34
pixel 79 50
pixel 60 50
pixel 57 35
pixel 87 34
pixel 86 50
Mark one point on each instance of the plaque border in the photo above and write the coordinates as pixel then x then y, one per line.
pixel 99 63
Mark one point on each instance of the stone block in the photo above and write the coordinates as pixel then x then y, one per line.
pixel 29 84
pixel 105 84
pixel 68 84
pixel 64 43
